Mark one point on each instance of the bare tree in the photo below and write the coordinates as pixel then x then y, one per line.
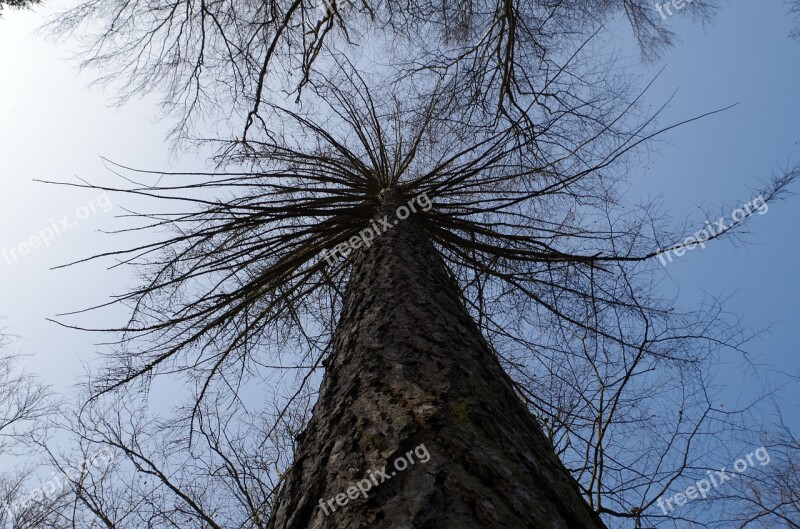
pixel 767 494
pixel 17 4
pixel 25 405
pixel 562 290
pixel 235 57
pixel 527 288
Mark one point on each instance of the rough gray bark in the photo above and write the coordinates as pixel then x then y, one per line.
pixel 410 367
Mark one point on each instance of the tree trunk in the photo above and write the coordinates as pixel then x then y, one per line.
pixel 409 367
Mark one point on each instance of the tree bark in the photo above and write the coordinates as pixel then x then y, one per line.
pixel 409 367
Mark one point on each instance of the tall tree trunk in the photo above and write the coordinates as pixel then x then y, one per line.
pixel 409 367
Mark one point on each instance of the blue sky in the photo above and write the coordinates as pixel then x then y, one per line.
pixel 744 57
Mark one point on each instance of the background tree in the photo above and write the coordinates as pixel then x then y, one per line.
pixel 25 405
pixel 766 495
pixel 221 61
pixel 17 4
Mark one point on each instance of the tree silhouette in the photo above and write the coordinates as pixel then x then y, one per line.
pixel 527 288
pixel 224 60
pixel 25 405
pixel 17 4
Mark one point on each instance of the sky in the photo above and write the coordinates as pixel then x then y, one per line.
pixel 54 126
pixel 746 58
